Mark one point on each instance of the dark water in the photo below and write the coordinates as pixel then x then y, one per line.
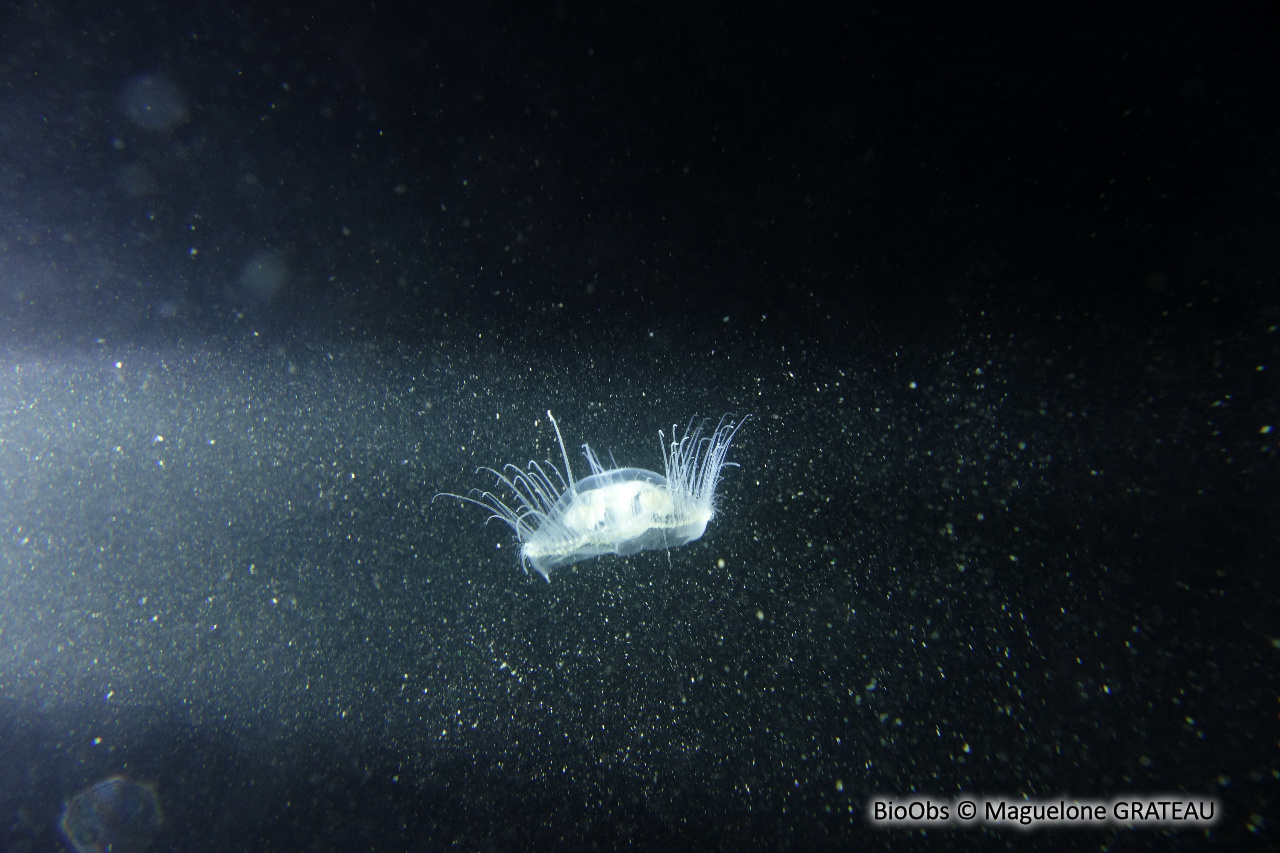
pixel 940 573
pixel 1005 521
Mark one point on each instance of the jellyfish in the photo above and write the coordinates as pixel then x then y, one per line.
pixel 560 521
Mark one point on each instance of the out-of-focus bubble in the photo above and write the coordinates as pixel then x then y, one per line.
pixel 153 102
pixel 263 275
pixel 116 814
pixel 136 181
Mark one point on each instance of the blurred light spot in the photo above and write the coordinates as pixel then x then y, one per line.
pixel 153 102
pixel 263 275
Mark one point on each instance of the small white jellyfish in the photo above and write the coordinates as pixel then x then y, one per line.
pixel 621 511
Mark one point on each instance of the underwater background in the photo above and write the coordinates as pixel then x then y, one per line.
pixel 996 286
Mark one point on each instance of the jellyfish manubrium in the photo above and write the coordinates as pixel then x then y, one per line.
pixel 559 521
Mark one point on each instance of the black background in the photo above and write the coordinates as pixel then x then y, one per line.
pixel 996 282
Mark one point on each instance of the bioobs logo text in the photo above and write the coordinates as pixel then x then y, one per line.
pixel 886 812
pixel 1131 811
